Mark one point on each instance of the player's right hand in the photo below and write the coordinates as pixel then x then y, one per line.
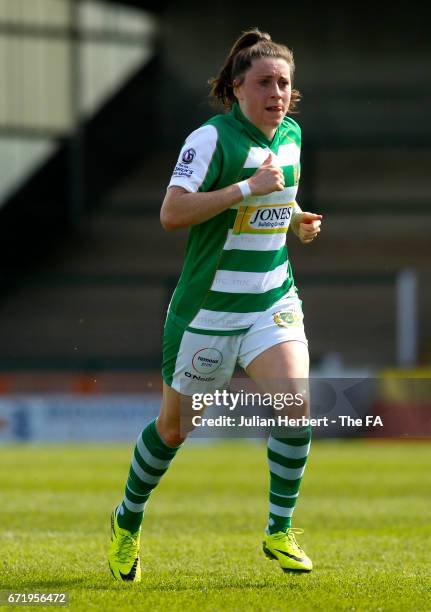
pixel 267 178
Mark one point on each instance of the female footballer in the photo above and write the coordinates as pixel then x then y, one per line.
pixel 234 185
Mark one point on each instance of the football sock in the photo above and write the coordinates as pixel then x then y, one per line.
pixel 287 457
pixel 151 458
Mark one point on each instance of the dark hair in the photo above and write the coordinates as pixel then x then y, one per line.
pixel 252 44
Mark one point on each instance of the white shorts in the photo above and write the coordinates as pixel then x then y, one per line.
pixel 201 363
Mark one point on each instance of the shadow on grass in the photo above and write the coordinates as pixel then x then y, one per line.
pixel 149 584
pixel 54 586
pixel 205 584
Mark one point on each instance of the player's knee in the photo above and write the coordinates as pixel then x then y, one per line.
pixel 173 436
pixel 293 403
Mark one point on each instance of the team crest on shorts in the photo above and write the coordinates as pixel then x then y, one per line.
pixel 287 318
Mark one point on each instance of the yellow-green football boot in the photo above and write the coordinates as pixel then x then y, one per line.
pixel 123 555
pixel 283 547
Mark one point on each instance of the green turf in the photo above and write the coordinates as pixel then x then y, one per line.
pixel 365 507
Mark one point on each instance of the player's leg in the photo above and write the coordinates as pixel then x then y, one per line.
pixel 155 448
pixel 192 363
pixel 274 353
pixel 283 369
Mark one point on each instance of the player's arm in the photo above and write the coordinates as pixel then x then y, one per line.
pixel 305 225
pixel 183 208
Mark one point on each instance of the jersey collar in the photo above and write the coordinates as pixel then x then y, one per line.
pixel 252 130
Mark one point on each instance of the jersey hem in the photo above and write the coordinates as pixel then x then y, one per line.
pixel 178 183
pixel 218 332
pixel 205 332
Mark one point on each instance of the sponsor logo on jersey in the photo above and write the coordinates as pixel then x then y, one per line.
pixel 197 377
pixel 269 219
pixel 288 318
pixel 207 360
pixel 188 156
pixel 183 168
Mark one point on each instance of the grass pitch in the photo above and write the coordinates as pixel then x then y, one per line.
pixel 365 508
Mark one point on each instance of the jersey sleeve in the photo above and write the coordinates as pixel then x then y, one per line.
pixel 198 166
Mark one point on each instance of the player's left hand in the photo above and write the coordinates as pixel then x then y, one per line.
pixel 306 226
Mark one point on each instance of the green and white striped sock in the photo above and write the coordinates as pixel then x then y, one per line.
pixel 151 458
pixel 286 458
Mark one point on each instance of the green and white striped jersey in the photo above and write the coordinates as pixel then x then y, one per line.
pixel 236 264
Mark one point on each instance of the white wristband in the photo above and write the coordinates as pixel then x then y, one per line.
pixel 244 187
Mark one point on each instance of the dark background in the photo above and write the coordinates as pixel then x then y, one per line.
pixel 87 270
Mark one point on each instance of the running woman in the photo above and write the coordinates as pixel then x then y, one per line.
pixel 234 185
